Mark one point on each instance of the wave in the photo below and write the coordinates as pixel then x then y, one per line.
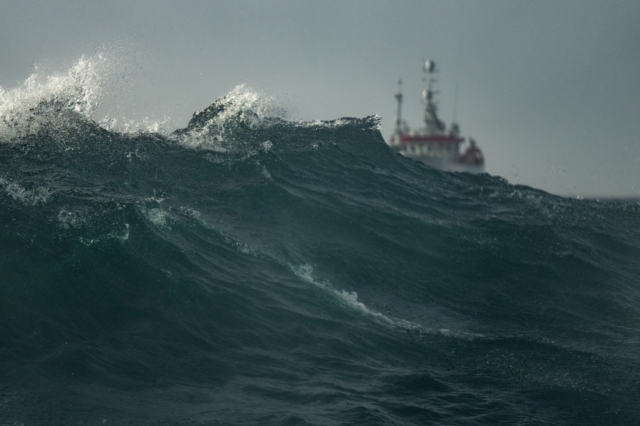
pixel 249 268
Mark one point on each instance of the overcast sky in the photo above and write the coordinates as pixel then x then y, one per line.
pixel 549 89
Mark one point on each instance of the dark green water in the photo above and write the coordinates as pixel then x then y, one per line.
pixel 250 270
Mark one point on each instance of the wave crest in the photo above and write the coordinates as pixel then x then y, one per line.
pixel 220 126
pixel 46 101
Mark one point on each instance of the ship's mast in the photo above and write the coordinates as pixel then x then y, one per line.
pixel 398 130
pixel 454 128
pixel 433 124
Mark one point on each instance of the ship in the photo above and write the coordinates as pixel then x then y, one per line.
pixel 434 144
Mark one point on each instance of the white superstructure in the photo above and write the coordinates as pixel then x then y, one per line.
pixel 433 144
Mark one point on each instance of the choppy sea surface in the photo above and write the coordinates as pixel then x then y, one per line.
pixel 248 269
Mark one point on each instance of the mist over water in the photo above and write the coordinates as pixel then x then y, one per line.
pixel 251 269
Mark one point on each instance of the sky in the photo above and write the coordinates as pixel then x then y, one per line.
pixel 548 89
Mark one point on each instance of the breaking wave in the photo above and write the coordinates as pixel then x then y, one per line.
pixel 250 269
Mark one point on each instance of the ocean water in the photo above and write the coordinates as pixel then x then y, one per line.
pixel 248 269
